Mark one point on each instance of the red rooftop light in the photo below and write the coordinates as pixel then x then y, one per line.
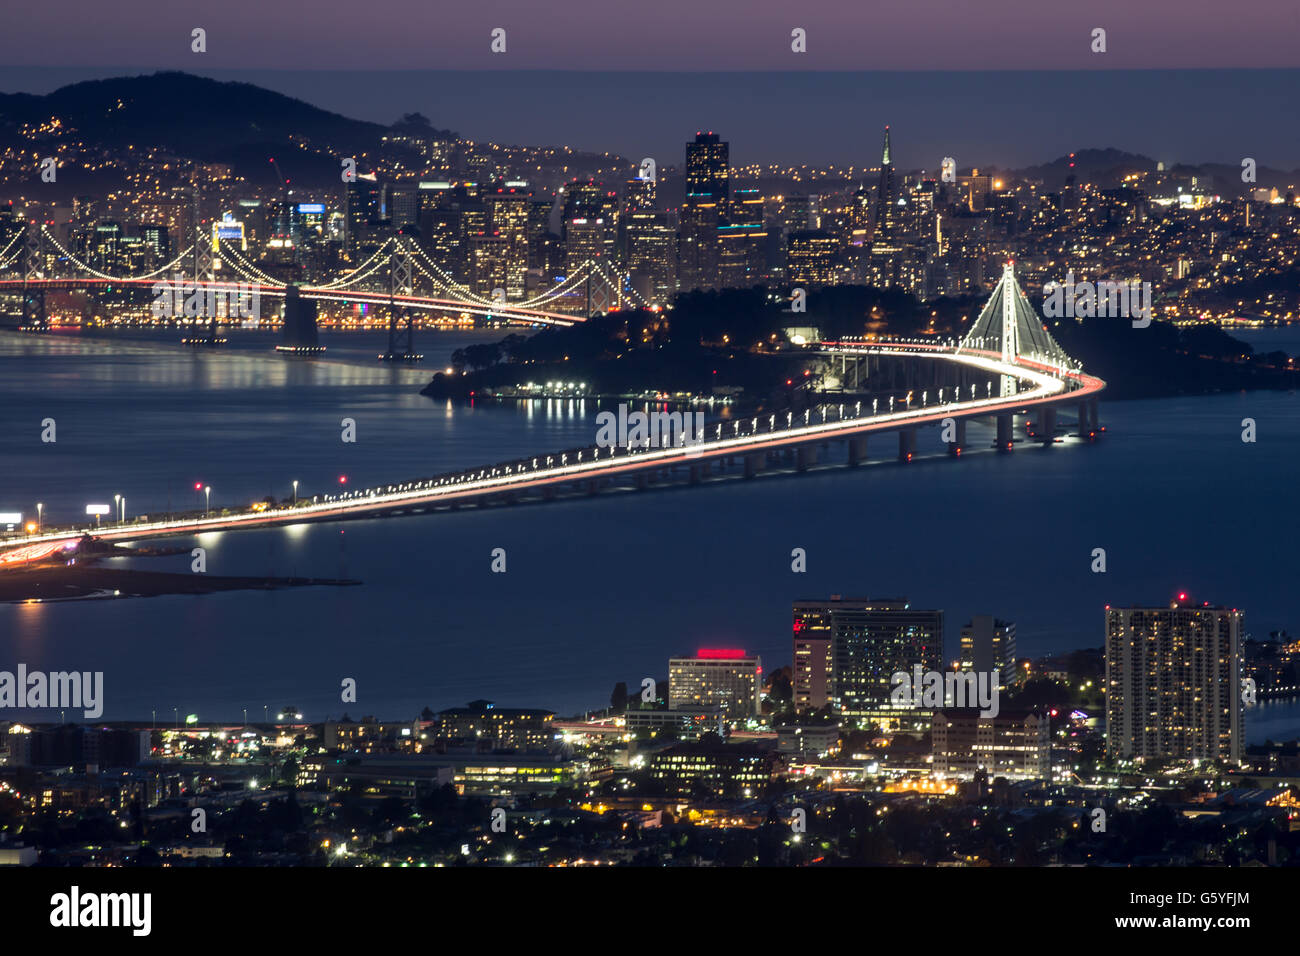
pixel 720 654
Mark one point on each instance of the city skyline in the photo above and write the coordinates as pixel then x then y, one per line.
pixel 710 437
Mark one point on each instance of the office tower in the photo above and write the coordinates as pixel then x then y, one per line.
pixel 652 256
pixel 988 645
pixel 363 210
pixel 811 257
pixel 402 203
pixel 742 242
pixel 509 208
pixel 489 256
pixel 716 679
pixel 871 639
pixel 1173 682
pixel 708 190
pixel 590 223
pixel 584 241
pixel 640 196
pixel 1014 744
pixel 158 239
pixel 708 170
pixel 886 197
pixel 540 237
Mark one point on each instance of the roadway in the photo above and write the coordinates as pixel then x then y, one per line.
pixel 1049 387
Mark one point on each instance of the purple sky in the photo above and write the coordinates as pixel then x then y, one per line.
pixel 669 35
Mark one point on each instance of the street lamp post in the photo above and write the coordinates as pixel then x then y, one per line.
pixel 117 506
pixel 39 508
pixel 295 491
pixel 207 499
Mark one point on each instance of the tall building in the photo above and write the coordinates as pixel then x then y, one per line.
pixel 988 645
pixel 1173 682
pixel 725 680
pixel 708 190
pixel 811 257
pixel 886 196
pixel 509 206
pixel 870 640
pixel 708 167
pixel 652 256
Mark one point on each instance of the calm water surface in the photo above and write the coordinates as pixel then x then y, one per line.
pixel 597 590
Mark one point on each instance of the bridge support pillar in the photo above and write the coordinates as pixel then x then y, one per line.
pixel 1004 433
pixel 593 485
pixel 1094 423
pixel 857 450
pixel 754 463
pixel 697 473
pixel 1085 427
pixel 906 444
pixel 805 457
pixel 1047 426
pixel 959 438
pixel 548 492
pixel 642 482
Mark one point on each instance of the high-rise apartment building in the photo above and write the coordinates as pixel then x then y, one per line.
pixel 869 640
pixel 989 645
pixel 725 680
pixel 1173 682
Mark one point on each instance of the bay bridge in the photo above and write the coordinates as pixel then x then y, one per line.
pixel 398 276
pixel 1006 365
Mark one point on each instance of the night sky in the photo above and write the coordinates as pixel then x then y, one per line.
pixel 1190 80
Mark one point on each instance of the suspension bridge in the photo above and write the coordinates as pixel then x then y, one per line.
pixel 1007 351
pixel 398 276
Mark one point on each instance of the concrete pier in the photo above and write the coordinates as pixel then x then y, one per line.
pixel 1004 433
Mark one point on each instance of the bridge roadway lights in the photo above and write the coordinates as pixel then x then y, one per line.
pixel 1004 443
pixel 906 444
pixel 857 450
pixel 959 438
pixel 805 457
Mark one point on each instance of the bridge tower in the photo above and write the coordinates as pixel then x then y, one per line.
pixel 1010 341
pixel 203 265
pixel 602 293
pixel 401 281
pixel 34 317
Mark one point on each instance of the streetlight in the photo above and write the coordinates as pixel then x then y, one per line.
pixel 39 508
pixel 295 491
pixel 117 506
pixel 207 499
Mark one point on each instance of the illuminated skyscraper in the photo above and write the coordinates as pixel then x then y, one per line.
pixel 1173 683
pixel 708 189
pixel 886 196
pixel 871 639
